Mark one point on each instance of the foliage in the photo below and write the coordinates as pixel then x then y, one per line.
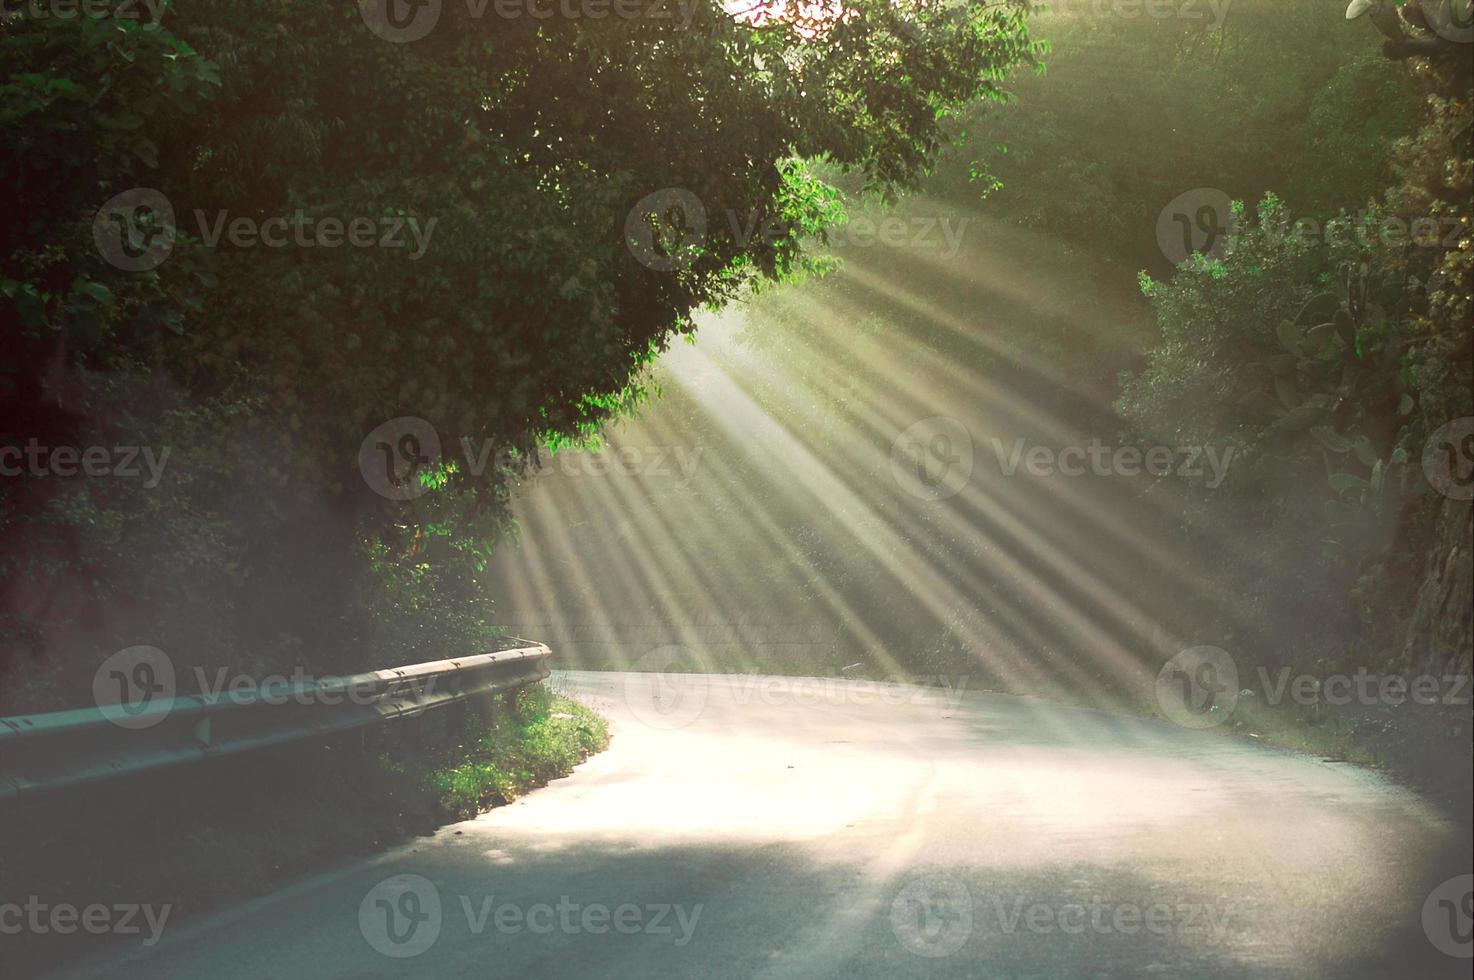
pixel 1133 112
pixel 516 148
pixel 552 735
pixel 1338 351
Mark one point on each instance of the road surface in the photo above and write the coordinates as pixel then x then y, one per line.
pixel 778 827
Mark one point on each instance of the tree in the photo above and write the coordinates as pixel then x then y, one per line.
pixel 507 156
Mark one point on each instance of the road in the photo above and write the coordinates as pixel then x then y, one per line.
pixel 775 827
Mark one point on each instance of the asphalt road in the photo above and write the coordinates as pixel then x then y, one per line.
pixel 767 827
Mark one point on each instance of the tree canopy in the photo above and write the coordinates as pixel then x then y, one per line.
pixel 290 222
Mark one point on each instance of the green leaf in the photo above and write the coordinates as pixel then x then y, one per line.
pixel 97 292
pixel 66 87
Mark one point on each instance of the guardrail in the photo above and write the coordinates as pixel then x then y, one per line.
pixel 40 753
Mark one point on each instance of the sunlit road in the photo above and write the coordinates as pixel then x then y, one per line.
pixel 751 827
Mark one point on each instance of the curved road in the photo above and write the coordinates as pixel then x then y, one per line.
pixel 782 827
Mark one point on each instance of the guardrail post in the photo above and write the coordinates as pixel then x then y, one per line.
pixel 509 701
pixel 485 705
pixel 455 722
pixel 413 729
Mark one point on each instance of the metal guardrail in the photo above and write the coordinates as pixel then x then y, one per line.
pixel 40 753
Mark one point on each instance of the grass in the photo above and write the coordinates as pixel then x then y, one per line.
pixel 511 757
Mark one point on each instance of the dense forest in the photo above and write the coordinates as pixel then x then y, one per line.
pixel 473 272
pixel 1319 352
pixel 512 270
